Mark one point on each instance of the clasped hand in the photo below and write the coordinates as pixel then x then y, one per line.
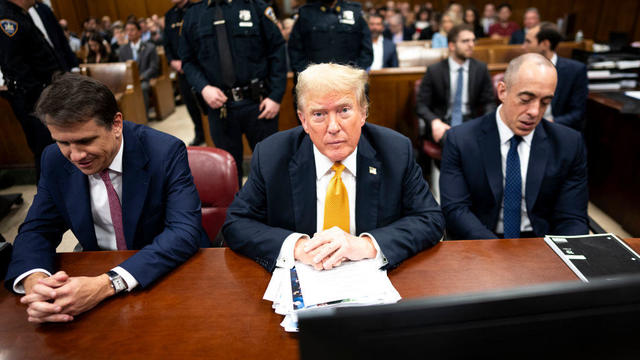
pixel 330 248
pixel 58 298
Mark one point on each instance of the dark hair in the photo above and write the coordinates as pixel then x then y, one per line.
pixel 376 15
pixel 452 36
pixel 94 36
pixel 549 32
pixel 476 20
pixel 504 5
pixel 73 98
pixel 134 23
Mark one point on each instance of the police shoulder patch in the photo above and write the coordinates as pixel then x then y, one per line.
pixel 9 27
pixel 270 14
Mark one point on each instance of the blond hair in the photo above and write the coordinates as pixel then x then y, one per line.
pixel 323 79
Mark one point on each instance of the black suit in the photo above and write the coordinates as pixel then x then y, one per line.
pixel 435 90
pixel 471 180
pixel 148 65
pixel 570 100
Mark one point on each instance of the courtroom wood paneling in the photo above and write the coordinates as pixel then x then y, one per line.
pixel 158 7
pixel 619 17
pixel 14 151
pixel 128 7
pixel 99 9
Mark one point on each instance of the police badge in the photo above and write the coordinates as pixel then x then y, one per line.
pixel 9 27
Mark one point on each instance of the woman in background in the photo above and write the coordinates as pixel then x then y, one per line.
pixel 471 18
pixel 439 39
pixel 99 50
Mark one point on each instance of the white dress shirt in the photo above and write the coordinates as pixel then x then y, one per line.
pixel 102 224
pixel 378 53
pixel 548 113
pixel 323 176
pixel 453 80
pixel 135 49
pixel 524 149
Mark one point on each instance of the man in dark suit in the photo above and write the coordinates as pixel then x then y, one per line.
pixel 570 100
pixel 144 53
pixel 531 19
pixel 384 50
pixel 441 102
pixel 512 174
pixel 116 186
pixel 335 189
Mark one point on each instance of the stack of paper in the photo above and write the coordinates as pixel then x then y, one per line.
pixel 303 288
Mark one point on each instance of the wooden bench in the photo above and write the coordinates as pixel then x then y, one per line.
pixel 14 151
pixel 162 98
pixel 123 79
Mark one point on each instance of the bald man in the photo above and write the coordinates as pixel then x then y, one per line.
pixel 511 173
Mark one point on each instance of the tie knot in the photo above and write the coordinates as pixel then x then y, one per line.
pixel 104 174
pixel 460 69
pixel 338 167
pixel 515 140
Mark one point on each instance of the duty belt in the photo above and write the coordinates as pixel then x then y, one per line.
pixel 252 91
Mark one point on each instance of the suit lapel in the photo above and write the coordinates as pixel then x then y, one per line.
pixel 302 175
pixel 471 87
pixel 368 174
pixel 489 142
pixel 447 83
pixel 536 168
pixel 77 201
pixel 135 181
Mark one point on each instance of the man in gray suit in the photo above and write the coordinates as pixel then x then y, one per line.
pixel 144 53
pixel 456 89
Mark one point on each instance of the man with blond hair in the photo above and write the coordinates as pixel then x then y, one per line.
pixel 334 189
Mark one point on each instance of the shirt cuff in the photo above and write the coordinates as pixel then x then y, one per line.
pixel 127 277
pixel 286 258
pixel 17 283
pixel 380 259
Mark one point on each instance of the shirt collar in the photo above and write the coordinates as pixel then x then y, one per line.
pixel 454 66
pixel 323 164
pixel 554 59
pixel 506 134
pixel 116 164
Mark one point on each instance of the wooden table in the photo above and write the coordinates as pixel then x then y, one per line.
pixel 211 306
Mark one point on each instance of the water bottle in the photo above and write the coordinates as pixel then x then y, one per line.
pixel 579 36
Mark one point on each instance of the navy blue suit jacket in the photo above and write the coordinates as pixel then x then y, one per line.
pixel 471 180
pixel 389 54
pixel 393 201
pixel 570 100
pixel 517 37
pixel 160 208
pixel 56 35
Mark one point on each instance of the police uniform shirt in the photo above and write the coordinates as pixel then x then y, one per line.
pixel 172 30
pixel 339 34
pixel 26 57
pixel 256 44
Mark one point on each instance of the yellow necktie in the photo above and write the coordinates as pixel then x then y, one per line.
pixel 336 203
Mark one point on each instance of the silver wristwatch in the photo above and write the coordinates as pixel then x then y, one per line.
pixel 117 282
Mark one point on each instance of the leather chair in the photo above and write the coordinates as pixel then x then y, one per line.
pixel 430 148
pixel 215 175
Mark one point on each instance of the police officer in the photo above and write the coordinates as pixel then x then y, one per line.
pixel 330 31
pixel 233 54
pixel 28 63
pixel 172 32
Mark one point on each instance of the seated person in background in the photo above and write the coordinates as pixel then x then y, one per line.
pixel 439 39
pixel 570 100
pixel 488 17
pixel 119 38
pixel 112 196
pixel 445 99
pixel 384 50
pixel 504 27
pixel 471 18
pixel 144 53
pixel 334 189
pixel 99 51
pixel 397 32
pixel 423 25
pixel 510 173
pixel 531 20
